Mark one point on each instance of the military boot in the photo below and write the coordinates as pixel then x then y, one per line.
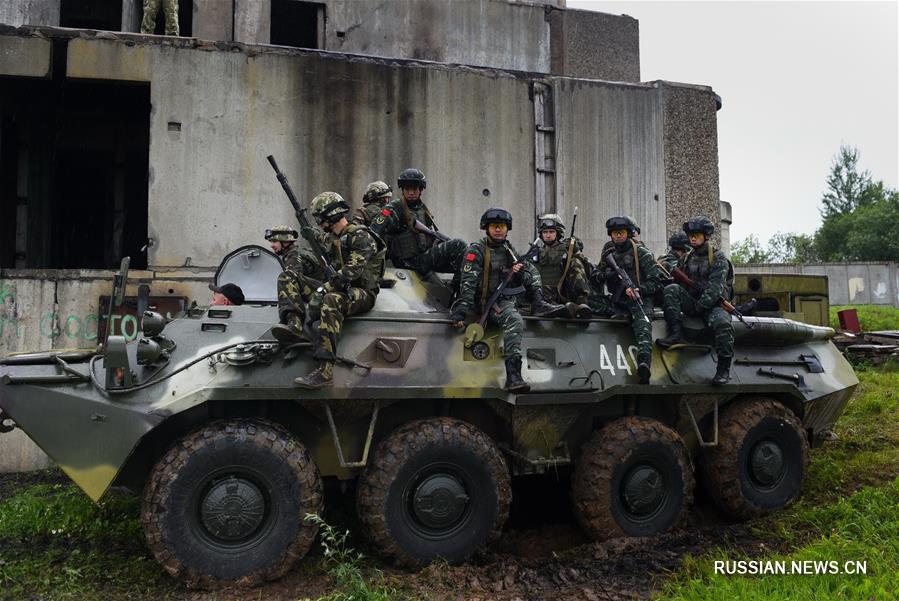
pixel 541 308
pixel 321 377
pixel 291 331
pixel 675 335
pixel 722 374
pixel 644 371
pixel 514 381
pixel 578 311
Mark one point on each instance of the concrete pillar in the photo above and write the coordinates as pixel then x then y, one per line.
pixel 29 12
pixel 253 21
pixel 132 13
pixel 726 220
pixel 214 20
pixel 594 45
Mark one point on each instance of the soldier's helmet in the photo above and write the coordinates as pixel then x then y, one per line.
pixel 329 206
pixel 551 221
pixel 281 233
pixel 636 228
pixel 376 191
pixel 412 178
pixel 679 241
pixel 699 224
pixel 496 215
pixel 620 223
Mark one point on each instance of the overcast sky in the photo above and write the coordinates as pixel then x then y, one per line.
pixel 796 79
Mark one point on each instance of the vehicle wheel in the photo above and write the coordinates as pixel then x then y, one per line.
pixel 760 461
pixel 227 504
pixel 434 488
pixel 634 478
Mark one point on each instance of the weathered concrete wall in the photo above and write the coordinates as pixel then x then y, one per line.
pixel 848 283
pixel 691 154
pixel 252 21
pixel 26 57
pixel 213 19
pixel 610 158
pixel 594 45
pixel 492 33
pixel 29 12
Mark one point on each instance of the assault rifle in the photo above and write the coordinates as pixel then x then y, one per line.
pixel 423 229
pixel 304 221
pixel 626 283
pixel 682 278
pixel 475 332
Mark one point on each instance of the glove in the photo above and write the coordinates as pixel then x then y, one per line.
pixel 308 232
pixel 458 315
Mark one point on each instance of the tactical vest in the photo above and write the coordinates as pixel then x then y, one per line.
pixel 496 261
pixel 370 279
pixel 410 243
pixel 698 265
pixel 551 263
pixel 628 258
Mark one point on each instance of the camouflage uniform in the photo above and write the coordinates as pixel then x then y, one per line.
pixel 497 259
pixel 551 260
pixel 410 249
pixel 668 262
pixel 151 10
pixel 377 194
pixel 302 275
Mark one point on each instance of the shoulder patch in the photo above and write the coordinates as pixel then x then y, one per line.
pixel 470 257
pixel 379 219
pixel 467 267
pixel 385 212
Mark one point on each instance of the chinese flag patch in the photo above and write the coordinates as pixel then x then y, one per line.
pixel 385 212
pixel 470 257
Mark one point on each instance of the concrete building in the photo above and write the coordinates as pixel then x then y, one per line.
pixel 114 143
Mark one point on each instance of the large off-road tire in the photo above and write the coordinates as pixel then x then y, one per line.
pixel 226 504
pixel 633 478
pixel 436 488
pixel 760 461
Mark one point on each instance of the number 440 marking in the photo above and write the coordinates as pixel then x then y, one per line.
pixel 621 362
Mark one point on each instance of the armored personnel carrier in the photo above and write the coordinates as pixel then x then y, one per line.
pixel 200 416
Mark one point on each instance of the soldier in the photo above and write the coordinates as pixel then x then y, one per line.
pixel 151 11
pixel 495 256
pixel 302 272
pixel 377 194
pixel 359 261
pixel 638 263
pixel 710 270
pixel 407 246
pixel 226 294
pixel 679 245
pixel 561 267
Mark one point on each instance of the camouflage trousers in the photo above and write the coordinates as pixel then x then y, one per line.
pixel 506 316
pixel 574 288
pixel 295 290
pixel 445 257
pixel 151 10
pixel 678 300
pixel 335 307
pixel 641 327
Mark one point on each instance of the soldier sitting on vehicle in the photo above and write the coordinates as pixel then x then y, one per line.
pixel 631 295
pixel 301 271
pixel 377 195
pixel 413 241
pixel 561 267
pixel 359 264
pixel 489 261
pixel 710 272
pixel 679 245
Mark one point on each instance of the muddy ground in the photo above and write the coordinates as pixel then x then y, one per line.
pixel 542 554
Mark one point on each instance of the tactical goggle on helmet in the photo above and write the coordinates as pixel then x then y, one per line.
pixel 376 191
pixel 699 224
pixel 619 223
pixel 412 178
pixel 281 233
pixel 329 207
pixel 496 216
pixel 551 221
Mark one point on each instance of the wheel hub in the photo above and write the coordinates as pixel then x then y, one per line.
pixel 439 501
pixel 643 490
pixel 766 463
pixel 232 509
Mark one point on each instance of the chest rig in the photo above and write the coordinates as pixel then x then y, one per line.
pixel 370 278
pixel 410 243
pixel 627 257
pixel 551 263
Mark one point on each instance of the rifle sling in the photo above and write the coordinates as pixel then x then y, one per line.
pixel 568 261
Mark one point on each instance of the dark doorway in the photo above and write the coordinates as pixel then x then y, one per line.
pixel 91 14
pixel 74 158
pixel 298 24
pixel 185 19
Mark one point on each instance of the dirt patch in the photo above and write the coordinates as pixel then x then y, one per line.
pixel 10 484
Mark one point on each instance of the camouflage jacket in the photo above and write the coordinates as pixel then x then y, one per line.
pixel 357 254
pixel 669 261
pixel 300 260
pixel 712 270
pixel 395 225
pixel 639 264
pixel 365 214
pixel 472 291
pixel 551 260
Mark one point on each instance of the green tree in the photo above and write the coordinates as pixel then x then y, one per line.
pixel 747 251
pixel 847 189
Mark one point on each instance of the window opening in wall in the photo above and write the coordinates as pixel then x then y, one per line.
pixel 74 159
pixel 298 24
pixel 185 18
pixel 91 14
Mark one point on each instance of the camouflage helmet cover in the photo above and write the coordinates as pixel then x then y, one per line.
pixel 679 241
pixel 701 224
pixel 281 233
pixel 551 221
pixel 376 191
pixel 412 178
pixel 496 215
pixel 329 206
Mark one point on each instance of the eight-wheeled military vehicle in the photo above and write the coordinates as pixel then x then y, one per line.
pixel 201 415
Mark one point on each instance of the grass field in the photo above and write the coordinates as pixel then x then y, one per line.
pixel 872 318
